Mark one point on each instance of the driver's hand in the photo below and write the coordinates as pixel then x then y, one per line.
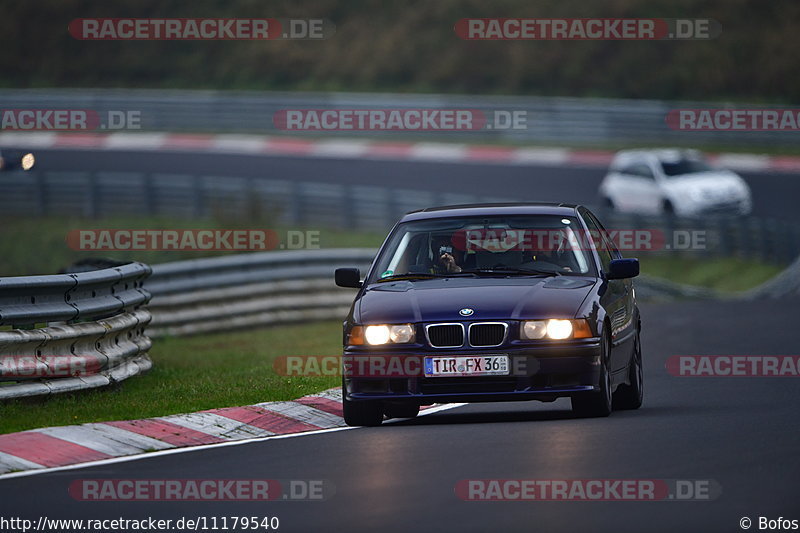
pixel 449 263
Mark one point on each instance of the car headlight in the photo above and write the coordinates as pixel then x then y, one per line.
pixel 534 329
pixel 27 161
pixel 555 329
pixel 379 334
pixel 559 329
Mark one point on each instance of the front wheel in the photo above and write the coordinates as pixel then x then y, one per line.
pixel 597 403
pixel 363 413
pixel 630 396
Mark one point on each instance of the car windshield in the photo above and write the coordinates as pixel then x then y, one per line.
pixel 685 166
pixel 532 245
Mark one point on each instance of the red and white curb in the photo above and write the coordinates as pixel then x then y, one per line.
pixel 361 149
pixel 49 448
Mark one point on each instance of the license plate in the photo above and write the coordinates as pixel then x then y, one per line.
pixel 466 365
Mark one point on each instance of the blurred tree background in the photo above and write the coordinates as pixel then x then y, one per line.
pixel 411 47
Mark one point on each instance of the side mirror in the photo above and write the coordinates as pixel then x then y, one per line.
pixel 623 268
pixel 349 277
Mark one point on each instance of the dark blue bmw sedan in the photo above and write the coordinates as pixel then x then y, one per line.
pixel 492 302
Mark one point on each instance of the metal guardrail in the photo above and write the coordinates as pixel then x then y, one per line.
pixel 282 201
pixel 29 300
pixel 588 121
pixel 72 331
pixel 247 290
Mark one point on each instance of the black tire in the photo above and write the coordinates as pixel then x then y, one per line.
pixel 363 413
pixel 401 410
pixel 597 403
pixel 630 396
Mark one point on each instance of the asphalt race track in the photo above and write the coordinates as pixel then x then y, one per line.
pixel 743 433
pixel 545 183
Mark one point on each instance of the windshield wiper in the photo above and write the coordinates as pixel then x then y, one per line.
pixel 513 271
pixel 424 275
pixel 411 276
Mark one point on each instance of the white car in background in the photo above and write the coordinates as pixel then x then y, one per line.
pixel 672 181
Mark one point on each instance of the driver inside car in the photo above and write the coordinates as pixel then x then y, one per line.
pixel 445 257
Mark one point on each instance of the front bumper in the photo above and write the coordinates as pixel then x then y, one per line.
pixel 543 373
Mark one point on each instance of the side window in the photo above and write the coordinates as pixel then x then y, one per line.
pixel 640 170
pixel 603 250
pixel 643 171
pixel 612 246
pixel 615 253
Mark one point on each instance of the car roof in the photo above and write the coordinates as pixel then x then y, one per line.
pixel 511 208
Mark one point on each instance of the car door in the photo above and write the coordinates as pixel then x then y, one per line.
pixel 617 300
pixel 641 192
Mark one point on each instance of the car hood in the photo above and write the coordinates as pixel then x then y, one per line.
pixel 490 299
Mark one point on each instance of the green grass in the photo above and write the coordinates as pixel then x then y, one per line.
pixel 191 374
pixel 723 274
